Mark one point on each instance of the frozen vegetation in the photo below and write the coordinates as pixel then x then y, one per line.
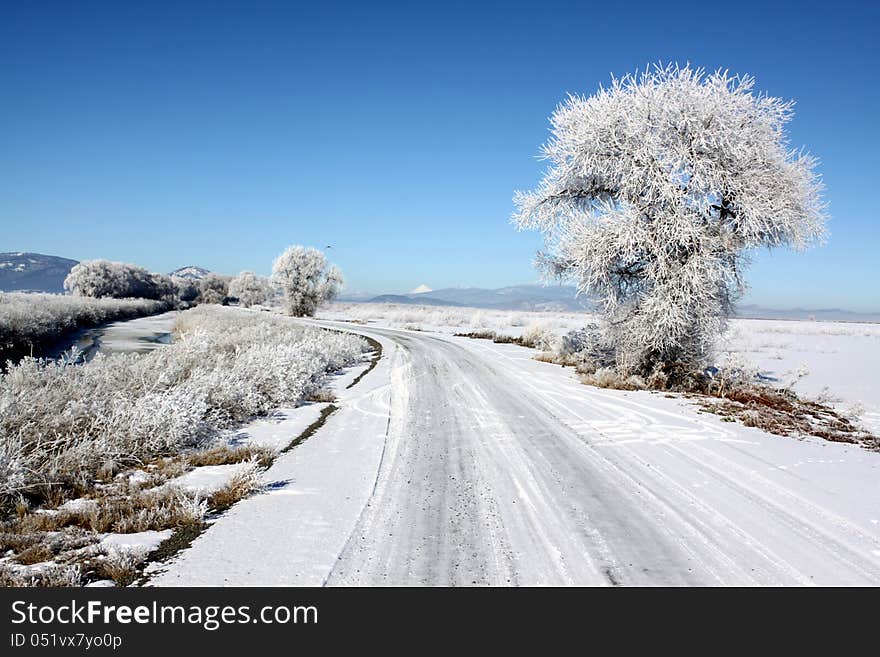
pixel 30 322
pixel 60 424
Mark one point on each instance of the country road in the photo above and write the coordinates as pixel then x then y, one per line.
pixel 496 469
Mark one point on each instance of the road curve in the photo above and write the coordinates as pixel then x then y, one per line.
pixel 493 475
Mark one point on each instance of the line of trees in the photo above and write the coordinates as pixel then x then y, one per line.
pixel 301 274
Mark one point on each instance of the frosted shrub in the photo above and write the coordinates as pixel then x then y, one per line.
pixel 657 188
pixel 61 424
pixel 306 279
pixel 539 336
pixel 249 289
pixel 586 347
pixel 213 288
pixel 187 289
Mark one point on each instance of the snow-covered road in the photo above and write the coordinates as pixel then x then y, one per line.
pixel 498 469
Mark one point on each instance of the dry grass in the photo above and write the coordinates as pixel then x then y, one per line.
pixel 376 348
pixel 227 454
pixel 241 486
pixel 42 544
pixel 116 511
pixel 120 566
pixel 498 338
pixel 534 337
pixel 607 377
pixel 782 413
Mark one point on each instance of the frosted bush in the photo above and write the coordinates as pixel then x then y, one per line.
pixel 539 336
pixel 587 347
pixel 735 372
pixel 187 288
pixel 249 289
pixel 213 288
pixel 61 423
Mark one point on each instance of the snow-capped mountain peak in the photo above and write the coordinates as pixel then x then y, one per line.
pixel 421 289
pixel 191 271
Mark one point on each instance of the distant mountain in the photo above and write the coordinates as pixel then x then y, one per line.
pixel 751 311
pixel 421 289
pixel 191 272
pixel 33 272
pixel 515 297
pixel 408 299
pixel 563 298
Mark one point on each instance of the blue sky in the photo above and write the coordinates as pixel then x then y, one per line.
pixel 218 133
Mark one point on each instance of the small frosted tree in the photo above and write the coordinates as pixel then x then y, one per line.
pixel 306 279
pixel 249 289
pixel 213 288
pixel 657 189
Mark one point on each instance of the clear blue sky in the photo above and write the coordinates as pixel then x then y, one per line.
pixel 216 134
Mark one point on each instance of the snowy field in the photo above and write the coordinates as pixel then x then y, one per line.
pixel 838 360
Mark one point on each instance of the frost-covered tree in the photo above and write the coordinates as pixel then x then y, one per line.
pixel 213 288
pixel 103 278
pixel 249 289
pixel 306 278
pixel 657 188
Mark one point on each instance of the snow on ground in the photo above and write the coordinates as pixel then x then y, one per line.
pixel 80 504
pixel 451 319
pixel 276 431
pixel 461 461
pixel 842 359
pixel 139 542
pixel 208 479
